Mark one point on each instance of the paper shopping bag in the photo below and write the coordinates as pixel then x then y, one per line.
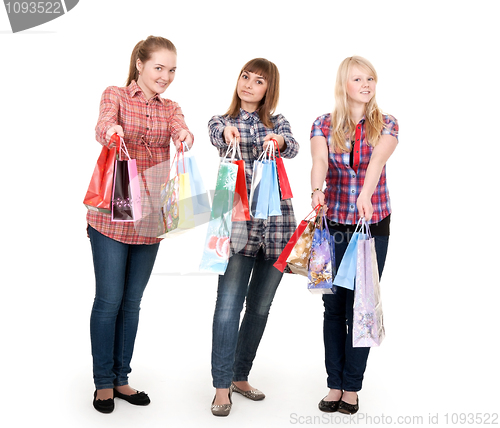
pixel 186 209
pixel 347 268
pixel 274 204
pixel 368 326
pixel 126 197
pixel 284 184
pixel 98 196
pixel 217 244
pixel 199 195
pixel 320 273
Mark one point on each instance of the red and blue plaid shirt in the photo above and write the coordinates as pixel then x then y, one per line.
pixel 343 182
pixel 148 126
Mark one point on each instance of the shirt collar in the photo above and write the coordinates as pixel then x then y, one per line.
pixel 245 115
pixel 134 89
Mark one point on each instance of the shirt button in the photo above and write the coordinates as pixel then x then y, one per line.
pixel 353 191
pixel 352 207
pixel 147 115
pixel 147 128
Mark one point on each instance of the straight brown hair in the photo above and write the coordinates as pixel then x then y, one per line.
pixel 144 50
pixel 268 71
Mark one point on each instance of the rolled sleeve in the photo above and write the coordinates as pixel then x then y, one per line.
pixel 216 127
pixel 284 129
pixel 108 114
pixel 321 126
pixel 176 122
pixel 391 126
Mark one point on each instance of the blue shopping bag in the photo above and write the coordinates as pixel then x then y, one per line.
pixel 347 269
pixel 199 195
pixel 274 207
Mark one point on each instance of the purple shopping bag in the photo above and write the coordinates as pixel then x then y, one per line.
pixel 368 325
pixel 320 274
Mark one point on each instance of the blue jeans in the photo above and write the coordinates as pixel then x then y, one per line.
pixel 233 349
pixel 122 272
pixel 345 365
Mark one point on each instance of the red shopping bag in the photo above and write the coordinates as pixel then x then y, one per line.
pixel 98 197
pixel 241 211
pixel 285 189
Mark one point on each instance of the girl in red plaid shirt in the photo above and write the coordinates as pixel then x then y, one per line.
pixel 123 258
pixel 350 148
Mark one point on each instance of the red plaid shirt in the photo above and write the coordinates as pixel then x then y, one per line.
pixel 148 126
pixel 343 183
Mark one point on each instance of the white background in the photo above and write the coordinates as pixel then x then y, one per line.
pixel 438 75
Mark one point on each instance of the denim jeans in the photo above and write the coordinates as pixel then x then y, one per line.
pixel 345 365
pixel 122 272
pixel 233 349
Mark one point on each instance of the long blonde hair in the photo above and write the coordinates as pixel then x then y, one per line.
pixel 342 125
pixel 268 71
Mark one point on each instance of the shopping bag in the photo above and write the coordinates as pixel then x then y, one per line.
pixel 126 197
pixel 284 184
pixel 368 326
pixel 347 269
pixel 281 263
pixel 274 207
pixel 320 272
pixel 186 209
pixel 298 260
pixel 169 203
pixel 216 251
pixel 241 210
pixel 259 191
pixel 199 195
pixel 98 196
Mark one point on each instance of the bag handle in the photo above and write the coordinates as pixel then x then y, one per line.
pixel 277 147
pixel 366 227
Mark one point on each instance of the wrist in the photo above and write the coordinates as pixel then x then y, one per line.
pixel 317 189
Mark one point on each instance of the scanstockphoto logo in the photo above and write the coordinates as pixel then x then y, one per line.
pixel 28 14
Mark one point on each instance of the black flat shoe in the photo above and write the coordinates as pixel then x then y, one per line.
pixel 103 406
pixel 348 409
pixel 329 406
pixel 138 399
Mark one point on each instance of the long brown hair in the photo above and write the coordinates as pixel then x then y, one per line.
pixel 342 124
pixel 143 51
pixel 268 71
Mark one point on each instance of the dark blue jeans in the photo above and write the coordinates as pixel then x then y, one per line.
pixel 345 365
pixel 122 272
pixel 233 346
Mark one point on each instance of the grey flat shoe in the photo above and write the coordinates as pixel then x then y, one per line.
pixel 253 394
pixel 221 409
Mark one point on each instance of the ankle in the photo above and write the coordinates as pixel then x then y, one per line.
pixel 104 394
pixel 350 397
pixel 243 385
pixel 334 395
pixel 222 396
